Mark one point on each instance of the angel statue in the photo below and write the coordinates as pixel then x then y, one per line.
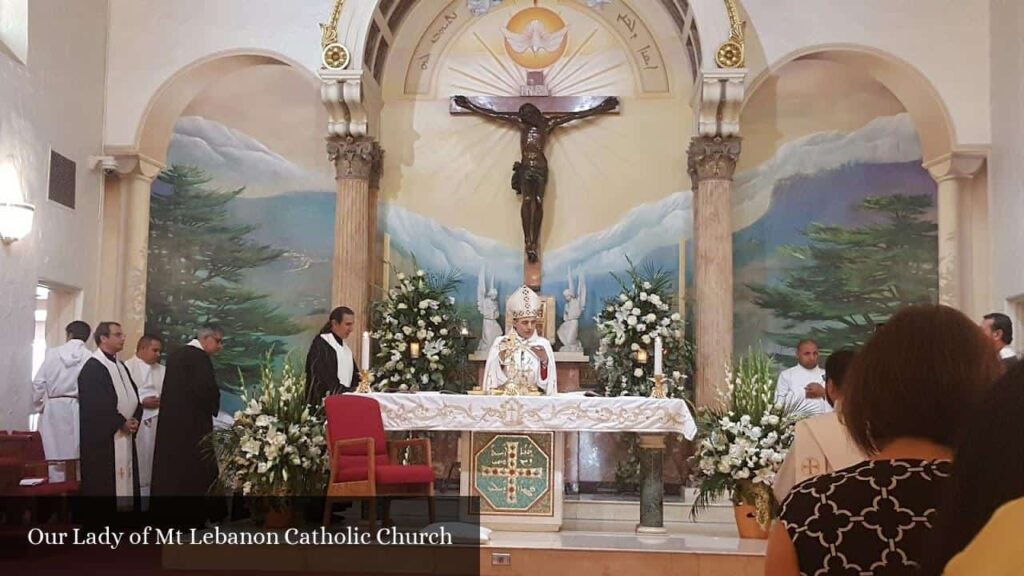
pixel 575 302
pixel 487 304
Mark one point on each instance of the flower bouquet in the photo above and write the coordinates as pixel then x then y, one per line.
pixel 744 441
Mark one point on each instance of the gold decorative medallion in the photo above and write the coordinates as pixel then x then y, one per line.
pixel 335 56
pixel 730 53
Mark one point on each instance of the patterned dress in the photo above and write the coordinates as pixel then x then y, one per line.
pixel 871 518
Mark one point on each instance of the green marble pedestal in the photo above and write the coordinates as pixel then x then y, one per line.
pixel 652 487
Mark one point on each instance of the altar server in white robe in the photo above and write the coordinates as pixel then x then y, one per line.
pixel 55 397
pixel 804 384
pixel 148 374
pixel 530 351
pixel 821 443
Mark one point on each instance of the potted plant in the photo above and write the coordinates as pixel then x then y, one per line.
pixel 276 448
pixel 743 441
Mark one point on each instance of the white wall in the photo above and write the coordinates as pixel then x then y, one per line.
pixel 946 40
pixel 151 41
pixel 54 101
pixel 1006 169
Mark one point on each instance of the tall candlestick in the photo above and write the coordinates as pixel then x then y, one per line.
pixel 657 355
pixel 364 363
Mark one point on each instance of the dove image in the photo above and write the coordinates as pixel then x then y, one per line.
pixel 535 39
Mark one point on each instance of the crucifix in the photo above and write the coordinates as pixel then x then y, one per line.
pixel 535 118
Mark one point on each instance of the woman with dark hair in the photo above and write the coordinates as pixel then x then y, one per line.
pixel 906 399
pixel 330 364
pixel 984 509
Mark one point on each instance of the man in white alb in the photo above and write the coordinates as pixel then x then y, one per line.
pixel 55 397
pixel 805 382
pixel 148 374
pixel 522 350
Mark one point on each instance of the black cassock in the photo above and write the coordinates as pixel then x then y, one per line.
pixel 322 372
pixel 98 421
pixel 189 401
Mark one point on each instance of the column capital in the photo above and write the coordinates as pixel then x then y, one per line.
pixel 341 91
pixel 712 158
pixel 356 158
pixel 958 164
pixel 132 164
pixel 720 98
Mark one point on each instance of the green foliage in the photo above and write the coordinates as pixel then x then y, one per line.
pixel 846 280
pixel 198 258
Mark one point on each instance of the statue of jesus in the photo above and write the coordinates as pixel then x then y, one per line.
pixel 530 175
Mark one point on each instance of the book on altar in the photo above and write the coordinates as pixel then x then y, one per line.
pixel 821 445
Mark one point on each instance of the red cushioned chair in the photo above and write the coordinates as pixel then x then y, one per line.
pixel 354 432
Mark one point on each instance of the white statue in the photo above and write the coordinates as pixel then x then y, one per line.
pixel 569 331
pixel 487 304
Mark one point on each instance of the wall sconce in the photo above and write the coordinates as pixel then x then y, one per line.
pixel 15 220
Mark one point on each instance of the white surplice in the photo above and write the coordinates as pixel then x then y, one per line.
pixel 791 386
pixel 149 378
pixel 55 397
pixel 495 377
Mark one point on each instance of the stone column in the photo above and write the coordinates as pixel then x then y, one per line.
pixel 712 161
pixel 357 163
pixel 133 177
pixel 953 173
pixel 652 486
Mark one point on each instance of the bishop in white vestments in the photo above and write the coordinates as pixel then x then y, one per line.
pixel 148 374
pixel 522 350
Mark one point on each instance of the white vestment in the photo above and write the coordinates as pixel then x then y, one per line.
pixel 791 386
pixel 55 397
pixel 821 445
pixel 495 377
pixel 127 402
pixel 344 355
pixel 149 378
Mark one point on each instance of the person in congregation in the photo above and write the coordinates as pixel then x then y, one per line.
pixel 190 400
pixel 820 444
pixel 522 348
pixel 999 329
pixel 148 374
pixel 330 365
pixel 55 397
pixel 804 383
pixel 906 399
pixel 110 412
pixel 984 508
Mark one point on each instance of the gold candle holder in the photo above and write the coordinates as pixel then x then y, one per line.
pixel 658 390
pixel 365 379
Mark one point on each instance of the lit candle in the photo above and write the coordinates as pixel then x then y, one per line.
pixel 641 356
pixel 657 355
pixel 364 363
pixel 414 349
pixel 464 331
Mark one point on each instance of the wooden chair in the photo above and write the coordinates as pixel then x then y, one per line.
pixel 364 464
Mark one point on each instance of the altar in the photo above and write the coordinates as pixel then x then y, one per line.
pixel 512 447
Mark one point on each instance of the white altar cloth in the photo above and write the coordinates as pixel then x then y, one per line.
pixel 559 413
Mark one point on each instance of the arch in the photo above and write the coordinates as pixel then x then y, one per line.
pixel 153 134
pixel 918 95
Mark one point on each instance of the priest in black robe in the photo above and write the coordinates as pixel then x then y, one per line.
pixel 190 400
pixel 330 365
pixel 109 414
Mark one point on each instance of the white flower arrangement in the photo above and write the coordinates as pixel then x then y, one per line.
pixel 744 440
pixel 418 313
pixel 276 446
pixel 628 324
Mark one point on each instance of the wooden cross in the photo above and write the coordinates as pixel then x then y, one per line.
pixel 536 117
